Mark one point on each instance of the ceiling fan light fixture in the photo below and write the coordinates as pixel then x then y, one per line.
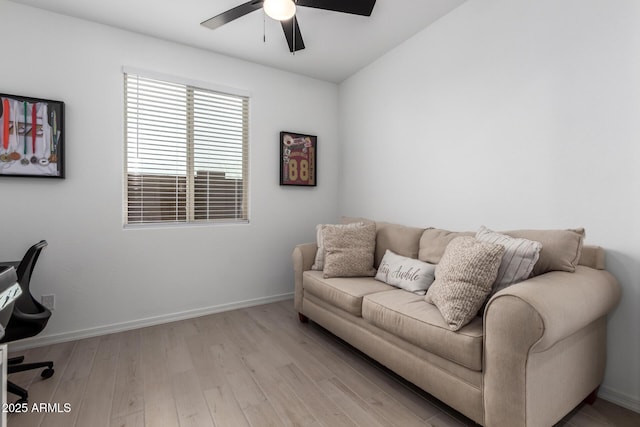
pixel 280 10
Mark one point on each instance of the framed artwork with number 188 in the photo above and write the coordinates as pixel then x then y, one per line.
pixel 298 159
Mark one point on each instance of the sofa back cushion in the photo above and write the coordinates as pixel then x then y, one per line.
pixel 399 239
pixel 434 241
pixel 561 249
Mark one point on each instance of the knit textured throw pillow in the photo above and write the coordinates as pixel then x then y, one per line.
pixel 318 263
pixel 464 277
pixel 349 251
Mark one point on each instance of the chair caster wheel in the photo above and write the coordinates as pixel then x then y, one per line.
pixel 47 373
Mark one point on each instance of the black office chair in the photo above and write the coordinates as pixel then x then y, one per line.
pixel 29 318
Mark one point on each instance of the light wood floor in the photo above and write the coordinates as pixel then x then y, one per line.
pixel 251 367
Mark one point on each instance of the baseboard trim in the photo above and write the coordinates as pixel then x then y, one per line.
pixel 39 341
pixel 620 399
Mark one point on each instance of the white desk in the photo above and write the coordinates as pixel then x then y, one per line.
pixel 8 296
pixel 3 369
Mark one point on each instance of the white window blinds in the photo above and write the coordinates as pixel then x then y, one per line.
pixel 186 153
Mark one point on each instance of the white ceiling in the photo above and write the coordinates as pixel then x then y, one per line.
pixel 337 44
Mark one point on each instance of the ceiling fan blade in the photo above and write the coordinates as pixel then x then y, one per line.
pixel 231 14
pixel 288 28
pixel 356 7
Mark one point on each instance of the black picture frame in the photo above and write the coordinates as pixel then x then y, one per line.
pixel 298 159
pixel 27 150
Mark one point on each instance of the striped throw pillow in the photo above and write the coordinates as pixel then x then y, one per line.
pixel 518 260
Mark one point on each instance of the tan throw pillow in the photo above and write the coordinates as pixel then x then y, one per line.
pixel 318 263
pixel 561 249
pixel 400 239
pixel 349 251
pixel 518 260
pixel 464 277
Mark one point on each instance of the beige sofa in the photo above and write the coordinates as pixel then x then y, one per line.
pixel 538 351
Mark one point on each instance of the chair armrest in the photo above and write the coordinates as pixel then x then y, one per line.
pixel 521 325
pixel 303 257
pixel 14 264
pixel 30 317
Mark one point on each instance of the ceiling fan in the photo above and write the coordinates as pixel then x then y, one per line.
pixel 284 11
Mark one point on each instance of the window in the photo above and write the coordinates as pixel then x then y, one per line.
pixel 186 157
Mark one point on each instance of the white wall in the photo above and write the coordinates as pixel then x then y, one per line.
pixel 512 114
pixel 103 275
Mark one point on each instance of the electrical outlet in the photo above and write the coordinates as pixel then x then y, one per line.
pixel 49 301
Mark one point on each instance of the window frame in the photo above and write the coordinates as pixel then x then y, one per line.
pixel 190 220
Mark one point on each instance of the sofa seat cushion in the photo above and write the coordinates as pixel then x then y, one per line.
pixel 345 293
pixel 409 317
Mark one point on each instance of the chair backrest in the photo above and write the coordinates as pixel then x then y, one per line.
pixel 8 278
pixel 26 302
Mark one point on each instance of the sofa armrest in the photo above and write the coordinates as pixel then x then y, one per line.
pixel 565 302
pixel 303 257
pixel 529 318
